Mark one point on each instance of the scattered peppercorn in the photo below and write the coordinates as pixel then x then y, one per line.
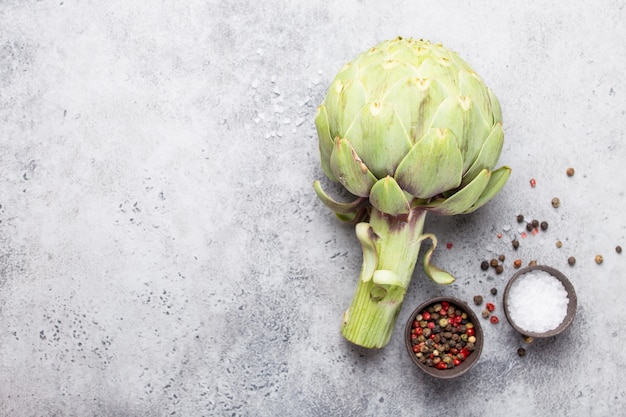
pixel 478 299
pixel 484 265
pixel 493 291
pixel 494 319
pixel 501 258
pixel 556 202
pixel 499 269
pixel 521 352
pixel 533 182
pixel 520 218
pixel 570 172
pixel 490 306
pixel 529 227
pixel 532 263
pixel 535 223
pixel 571 260
pixel 517 263
pixel 559 244
pixel 515 243
pixel 485 313
pixel 528 339
pixel 493 263
pixel 618 249
pixel 544 226
pixel 599 259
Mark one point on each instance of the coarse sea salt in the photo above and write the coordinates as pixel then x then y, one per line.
pixel 537 302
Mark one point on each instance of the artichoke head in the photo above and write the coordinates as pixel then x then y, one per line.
pixel 409 124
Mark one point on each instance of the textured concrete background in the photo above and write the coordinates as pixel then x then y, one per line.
pixel 162 251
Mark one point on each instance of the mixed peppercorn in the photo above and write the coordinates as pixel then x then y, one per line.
pixel 443 336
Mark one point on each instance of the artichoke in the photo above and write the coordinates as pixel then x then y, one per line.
pixel 407 128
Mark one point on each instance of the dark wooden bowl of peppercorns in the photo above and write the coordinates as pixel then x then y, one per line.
pixel 443 337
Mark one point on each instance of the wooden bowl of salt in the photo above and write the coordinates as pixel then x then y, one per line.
pixel 539 301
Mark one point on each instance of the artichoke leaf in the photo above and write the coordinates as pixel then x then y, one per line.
pixel 489 154
pixel 441 69
pixel 462 199
pixel 337 207
pixel 387 277
pixel 495 106
pixel 497 181
pixel 325 141
pixel 472 86
pixel 436 274
pixel 379 138
pixel 433 165
pixel 425 95
pixel 350 170
pixel 367 237
pixel 387 196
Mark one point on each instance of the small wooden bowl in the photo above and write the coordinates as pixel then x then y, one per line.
pixel 467 364
pixel 571 306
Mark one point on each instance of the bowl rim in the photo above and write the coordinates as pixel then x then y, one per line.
pixel 467 364
pixel 571 306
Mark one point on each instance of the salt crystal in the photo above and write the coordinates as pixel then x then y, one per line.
pixel 506 227
pixel 537 302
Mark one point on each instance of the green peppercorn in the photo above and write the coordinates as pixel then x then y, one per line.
pixel 571 260
pixel 528 339
pixel 443 322
pixel 520 218
pixel 559 244
pixel 515 244
pixel 556 202
pixel 544 225
pixel 532 263
pixel 521 352
pixel 485 313
pixel 484 265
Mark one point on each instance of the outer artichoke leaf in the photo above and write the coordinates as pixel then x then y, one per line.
pixel 489 154
pixel 472 86
pixel 367 237
pixel 387 196
pixel 349 170
pixel 382 75
pixel 497 181
pixel 436 274
pixel 433 165
pixel 440 69
pixel 337 207
pixel 343 103
pixel 387 277
pixel 495 107
pixel 463 199
pixel 416 101
pixel 325 141
pixel 379 138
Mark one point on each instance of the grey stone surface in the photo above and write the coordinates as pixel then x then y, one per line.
pixel 162 251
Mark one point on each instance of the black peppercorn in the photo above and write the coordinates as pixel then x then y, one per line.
pixel 618 249
pixel 571 260
pixel 499 269
pixel 535 223
pixel 544 226
pixel 520 218
pixel 521 352
pixel 515 243
pixel 484 265
pixel 494 291
pixel 529 227
pixel 501 258
pixel 478 299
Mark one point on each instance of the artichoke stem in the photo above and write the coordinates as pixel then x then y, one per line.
pixel 372 315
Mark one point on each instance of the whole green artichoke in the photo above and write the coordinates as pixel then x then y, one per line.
pixel 407 127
